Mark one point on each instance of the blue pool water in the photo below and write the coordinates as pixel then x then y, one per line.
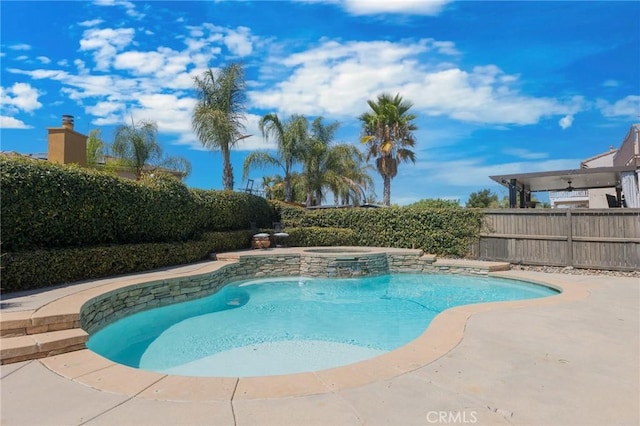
pixel 289 325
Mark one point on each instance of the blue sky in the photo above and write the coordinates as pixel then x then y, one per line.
pixel 498 87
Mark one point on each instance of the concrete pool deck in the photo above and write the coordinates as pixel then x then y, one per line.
pixel 567 359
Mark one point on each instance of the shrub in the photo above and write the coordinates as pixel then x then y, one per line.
pixel 47 205
pixel 315 236
pixel 289 213
pixel 435 203
pixel 438 231
pixel 228 210
pixel 27 270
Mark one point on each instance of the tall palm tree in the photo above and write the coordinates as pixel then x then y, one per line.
pixel 289 136
pixel 220 112
pixel 136 147
pixel 387 131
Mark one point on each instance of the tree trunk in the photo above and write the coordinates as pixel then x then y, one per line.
pixel 227 175
pixel 287 188
pixel 387 190
pixel 318 198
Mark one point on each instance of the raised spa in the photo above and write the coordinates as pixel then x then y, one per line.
pixel 290 325
pixel 336 251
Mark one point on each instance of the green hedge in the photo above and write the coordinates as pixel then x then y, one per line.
pixel 62 224
pixel 290 214
pixel 228 210
pixel 33 269
pixel 315 236
pixel 47 205
pixel 438 231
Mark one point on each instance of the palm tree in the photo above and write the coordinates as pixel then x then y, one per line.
pixel 289 136
pixel 387 131
pixel 219 113
pixel 318 163
pixel 135 147
pixel 352 172
pixel 268 186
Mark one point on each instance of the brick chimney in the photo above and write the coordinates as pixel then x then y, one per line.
pixel 67 146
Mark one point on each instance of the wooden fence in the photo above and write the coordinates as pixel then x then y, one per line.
pixel 582 238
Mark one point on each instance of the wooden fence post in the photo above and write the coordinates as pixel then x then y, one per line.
pixel 569 238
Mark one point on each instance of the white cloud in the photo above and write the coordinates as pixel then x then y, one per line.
pixel 12 123
pixel 110 112
pixel 625 107
pixel 139 63
pixel 91 23
pixel 412 7
pixel 566 121
pixel 105 43
pixel 239 41
pixel 334 79
pixel 153 85
pixel 377 7
pixel 20 46
pixel 337 78
pixel 44 59
pixel 130 7
pixel 611 83
pixel 525 154
pixel 20 97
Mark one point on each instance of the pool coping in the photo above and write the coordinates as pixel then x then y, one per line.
pixel 444 333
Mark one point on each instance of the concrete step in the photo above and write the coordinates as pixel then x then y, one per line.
pixel 41 345
pixel 23 323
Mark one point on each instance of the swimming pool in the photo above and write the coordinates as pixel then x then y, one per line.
pixel 290 325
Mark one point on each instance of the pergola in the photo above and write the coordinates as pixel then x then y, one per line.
pixel 523 184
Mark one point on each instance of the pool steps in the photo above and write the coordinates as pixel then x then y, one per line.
pixel 55 328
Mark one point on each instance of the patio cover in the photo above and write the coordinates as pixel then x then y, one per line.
pixel 558 180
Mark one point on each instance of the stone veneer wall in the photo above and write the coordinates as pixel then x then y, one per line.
pixel 344 266
pixel 109 307
pixel 114 305
pixel 410 263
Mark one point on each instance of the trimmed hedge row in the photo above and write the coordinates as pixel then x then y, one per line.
pixel 228 210
pixel 27 270
pixel 47 205
pixel 291 214
pixel 438 231
pixel 315 236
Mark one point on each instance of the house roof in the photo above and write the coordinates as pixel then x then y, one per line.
pixel 585 163
pixel 559 180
